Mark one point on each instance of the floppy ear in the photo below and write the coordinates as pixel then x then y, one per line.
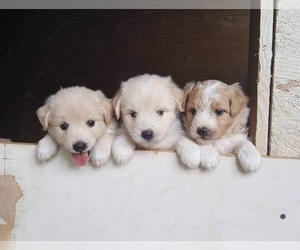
pixel 43 115
pixel 106 105
pixel 178 96
pixel 238 100
pixel 187 89
pixel 116 103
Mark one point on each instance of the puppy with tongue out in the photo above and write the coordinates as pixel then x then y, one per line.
pixel 81 121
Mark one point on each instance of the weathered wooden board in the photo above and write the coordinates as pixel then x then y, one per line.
pixel 264 77
pixel 152 198
pixel 285 125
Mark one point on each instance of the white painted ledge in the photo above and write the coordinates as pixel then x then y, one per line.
pixel 152 198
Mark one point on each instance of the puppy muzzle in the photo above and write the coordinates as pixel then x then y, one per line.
pixel 204 133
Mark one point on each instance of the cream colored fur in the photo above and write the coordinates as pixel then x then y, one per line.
pixel 76 106
pixel 151 103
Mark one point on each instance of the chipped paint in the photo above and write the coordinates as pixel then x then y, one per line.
pixel 10 193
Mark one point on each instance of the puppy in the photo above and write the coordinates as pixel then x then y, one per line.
pixel 216 116
pixel 149 106
pixel 79 120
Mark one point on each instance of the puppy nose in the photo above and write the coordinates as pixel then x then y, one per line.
pixel 79 146
pixel 147 134
pixel 203 132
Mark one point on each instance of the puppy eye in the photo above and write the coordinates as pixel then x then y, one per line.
pixel 90 123
pixel 133 114
pixel 219 112
pixel 193 111
pixel 160 112
pixel 64 126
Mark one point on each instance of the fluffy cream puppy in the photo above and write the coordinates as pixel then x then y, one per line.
pixel 216 116
pixel 149 106
pixel 79 120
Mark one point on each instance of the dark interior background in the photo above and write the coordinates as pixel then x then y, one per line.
pixel 43 50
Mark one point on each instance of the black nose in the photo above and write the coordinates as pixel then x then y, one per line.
pixel 147 134
pixel 203 132
pixel 79 146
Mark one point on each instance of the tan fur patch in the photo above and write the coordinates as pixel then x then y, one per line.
pixel 228 98
pixel 193 102
pixel 238 99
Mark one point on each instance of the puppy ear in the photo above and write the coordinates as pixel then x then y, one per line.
pixel 187 90
pixel 116 103
pixel 106 105
pixel 43 115
pixel 178 96
pixel 238 100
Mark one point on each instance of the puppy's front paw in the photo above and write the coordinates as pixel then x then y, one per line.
pixel 210 157
pixel 189 153
pixel 122 155
pixel 249 158
pixel 100 156
pixel 122 150
pixel 46 149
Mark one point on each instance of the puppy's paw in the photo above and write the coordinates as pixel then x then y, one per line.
pixel 191 158
pixel 122 150
pixel 249 158
pixel 122 155
pixel 46 149
pixel 100 156
pixel 189 153
pixel 210 157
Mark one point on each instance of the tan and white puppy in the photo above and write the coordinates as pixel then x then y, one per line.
pixel 216 116
pixel 149 106
pixel 79 120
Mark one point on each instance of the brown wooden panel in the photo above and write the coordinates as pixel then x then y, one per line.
pixel 43 50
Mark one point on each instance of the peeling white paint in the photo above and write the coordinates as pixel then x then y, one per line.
pixel 153 198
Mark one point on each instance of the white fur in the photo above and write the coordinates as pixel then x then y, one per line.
pixel 101 151
pixel 248 156
pixel 188 152
pixel 123 147
pixel 146 95
pixel 46 148
pixel 210 156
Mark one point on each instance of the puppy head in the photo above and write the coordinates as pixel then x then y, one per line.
pixel 212 108
pixel 148 105
pixel 75 118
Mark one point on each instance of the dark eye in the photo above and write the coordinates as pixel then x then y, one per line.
pixel 133 114
pixel 193 111
pixel 219 112
pixel 90 123
pixel 160 112
pixel 64 126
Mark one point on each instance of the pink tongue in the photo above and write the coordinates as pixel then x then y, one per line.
pixel 81 158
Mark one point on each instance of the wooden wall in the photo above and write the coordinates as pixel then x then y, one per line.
pixel 42 50
pixel 285 116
